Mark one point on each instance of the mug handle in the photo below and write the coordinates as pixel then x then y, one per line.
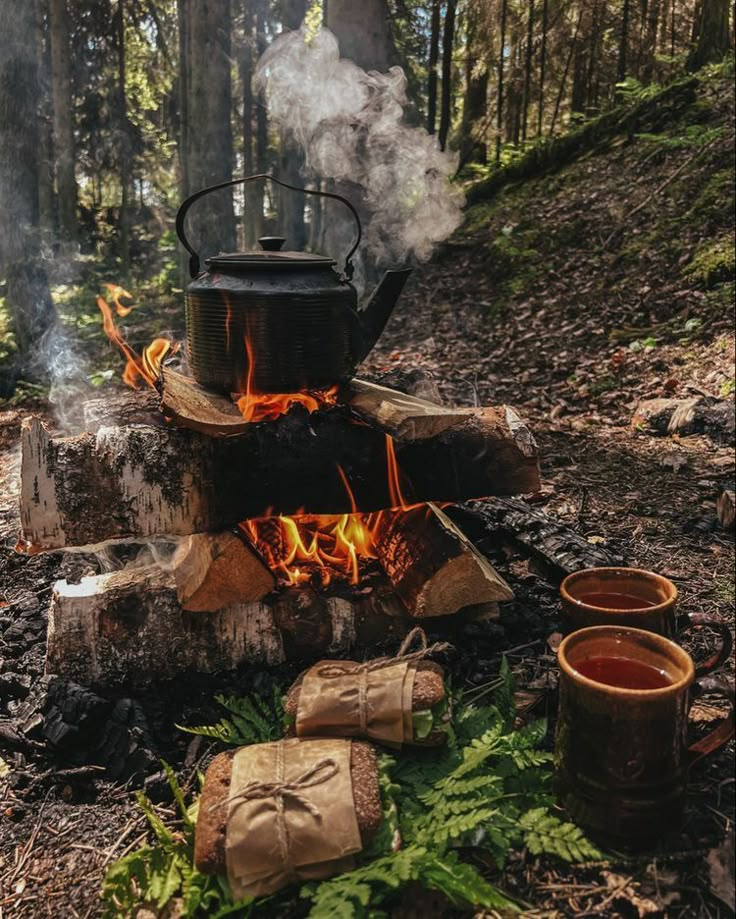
pixel 724 730
pixel 696 620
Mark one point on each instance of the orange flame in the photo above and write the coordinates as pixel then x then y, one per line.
pixel 255 406
pixel 138 368
pixel 396 496
pixel 116 292
pixel 312 547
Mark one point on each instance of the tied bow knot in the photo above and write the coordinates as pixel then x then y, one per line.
pixel 281 791
pixel 402 656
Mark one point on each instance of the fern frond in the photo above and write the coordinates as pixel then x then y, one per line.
pixel 546 834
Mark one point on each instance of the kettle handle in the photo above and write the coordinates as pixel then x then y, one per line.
pixel 194 256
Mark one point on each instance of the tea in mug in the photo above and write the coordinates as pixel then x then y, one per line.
pixel 615 600
pixel 623 673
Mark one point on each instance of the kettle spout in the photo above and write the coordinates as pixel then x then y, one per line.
pixel 375 315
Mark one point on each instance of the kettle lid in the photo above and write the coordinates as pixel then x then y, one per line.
pixel 270 257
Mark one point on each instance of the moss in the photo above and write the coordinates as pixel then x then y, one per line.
pixel 713 262
pixel 716 199
pixel 512 259
pixel 479 216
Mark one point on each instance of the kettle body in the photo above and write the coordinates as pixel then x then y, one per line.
pixel 277 321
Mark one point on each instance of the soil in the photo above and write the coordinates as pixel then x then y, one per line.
pixel 552 300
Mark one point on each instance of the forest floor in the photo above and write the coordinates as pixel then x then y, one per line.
pixel 571 296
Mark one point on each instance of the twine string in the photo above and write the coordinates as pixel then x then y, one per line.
pixel 402 656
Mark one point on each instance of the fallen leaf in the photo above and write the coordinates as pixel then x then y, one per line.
pixel 722 874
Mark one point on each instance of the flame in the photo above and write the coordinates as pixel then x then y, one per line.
pixel 144 367
pixel 322 548
pixel 255 406
pixel 319 548
pixel 396 496
pixel 116 292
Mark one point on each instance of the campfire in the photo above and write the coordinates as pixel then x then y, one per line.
pixel 310 511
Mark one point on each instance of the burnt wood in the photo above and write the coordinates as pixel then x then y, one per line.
pixel 555 548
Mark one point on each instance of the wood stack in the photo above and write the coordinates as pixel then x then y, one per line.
pixel 217 603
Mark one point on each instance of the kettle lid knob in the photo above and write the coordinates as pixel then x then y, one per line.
pixel 271 243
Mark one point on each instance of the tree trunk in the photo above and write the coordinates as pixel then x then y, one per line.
pixel 210 154
pixel 542 66
pixel 27 292
pixel 623 44
pixel 448 39
pixel 650 41
pixel 46 194
pixel 61 81
pixel 711 33
pixel 527 70
pixel 262 164
pixel 472 147
pixel 124 147
pixel 363 29
pixel 434 56
pixel 563 81
pixel 246 82
pixel 182 10
pixel 499 97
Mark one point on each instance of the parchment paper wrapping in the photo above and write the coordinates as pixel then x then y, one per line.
pixel 290 815
pixel 348 699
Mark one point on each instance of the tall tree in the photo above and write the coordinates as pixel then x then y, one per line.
pixel 711 33
pixel 245 64
pixel 473 123
pixel 527 69
pixel 363 28
pixel 61 83
pixel 124 145
pixel 448 44
pixel 649 49
pixel 210 138
pixel 434 56
pixel 27 299
pixel 499 80
pixel 542 66
pixel 623 42
pixel 292 156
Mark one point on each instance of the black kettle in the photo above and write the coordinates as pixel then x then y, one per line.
pixel 275 321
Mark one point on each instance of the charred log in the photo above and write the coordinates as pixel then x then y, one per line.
pixel 555 548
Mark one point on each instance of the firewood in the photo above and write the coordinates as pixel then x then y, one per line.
pixel 120 407
pixel 193 406
pixel 213 571
pixel 128 626
pixel 699 415
pixel 433 566
pixel 142 480
pixel 554 548
pixel 726 507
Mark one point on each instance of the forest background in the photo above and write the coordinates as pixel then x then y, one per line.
pixel 113 111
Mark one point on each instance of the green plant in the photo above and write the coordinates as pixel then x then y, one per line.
pixel 252 720
pixel 488 789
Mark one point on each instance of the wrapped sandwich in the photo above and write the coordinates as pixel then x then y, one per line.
pixel 276 813
pixel 395 701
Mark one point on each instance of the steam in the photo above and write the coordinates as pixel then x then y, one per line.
pixel 67 371
pixel 350 126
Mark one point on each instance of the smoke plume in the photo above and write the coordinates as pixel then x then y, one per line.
pixel 351 127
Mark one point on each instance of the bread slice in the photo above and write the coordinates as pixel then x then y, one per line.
pixel 209 837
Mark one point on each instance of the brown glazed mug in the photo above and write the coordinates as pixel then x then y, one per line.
pixel 588 598
pixel 621 753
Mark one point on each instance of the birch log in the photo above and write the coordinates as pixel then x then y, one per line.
pixel 128 627
pixel 142 480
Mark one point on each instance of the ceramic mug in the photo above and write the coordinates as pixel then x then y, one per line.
pixel 640 599
pixel 621 754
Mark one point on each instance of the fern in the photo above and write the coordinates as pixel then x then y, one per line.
pixel 252 720
pixel 488 789
pixel 546 834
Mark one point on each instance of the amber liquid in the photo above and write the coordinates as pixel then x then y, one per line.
pixel 615 601
pixel 623 672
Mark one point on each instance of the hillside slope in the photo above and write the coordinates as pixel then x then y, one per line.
pixel 577 292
